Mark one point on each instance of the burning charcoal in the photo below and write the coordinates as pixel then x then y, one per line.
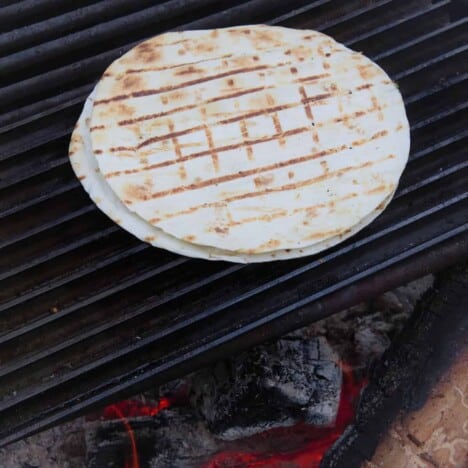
pixel 273 385
pixel 174 438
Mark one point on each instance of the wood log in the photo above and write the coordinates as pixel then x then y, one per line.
pixel 414 406
pixel 435 435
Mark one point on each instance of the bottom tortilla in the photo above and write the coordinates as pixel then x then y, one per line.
pixel 86 169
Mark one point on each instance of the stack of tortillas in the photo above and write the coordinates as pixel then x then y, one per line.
pixel 244 144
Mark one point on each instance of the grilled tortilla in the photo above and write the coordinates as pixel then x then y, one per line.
pixel 250 140
pixel 86 168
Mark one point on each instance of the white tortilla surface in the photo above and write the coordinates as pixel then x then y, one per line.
pixel 250 139
pixel 86 168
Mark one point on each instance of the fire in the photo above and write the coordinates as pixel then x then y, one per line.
pixel 320 439
pixel 130 409
pixel 112 410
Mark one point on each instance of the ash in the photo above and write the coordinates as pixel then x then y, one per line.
pixel 61 447
pixel 362 333
pixel 173 438
pixel 278 384
pixel 230 405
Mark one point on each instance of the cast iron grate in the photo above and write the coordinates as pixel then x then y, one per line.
pixel 89 314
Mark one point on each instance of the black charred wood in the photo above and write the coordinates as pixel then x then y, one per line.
pixel 436 332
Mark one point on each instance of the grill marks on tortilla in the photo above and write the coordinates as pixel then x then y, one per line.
pixel 305 101
pixel 223 97
pixel 164 89
pixel 245 135
pixel 212 147
pixel 244 130
pixel 134 192
pixel 283 188
pixel 209 152
pixel 270 167
pixel 130 71
pixel 308 111
pixel 264 180
pixel 186 103
pixel 191 70
pixel 189 106
pixel 275 118
pixel 182 172
pixel 238 118
pixel 377 106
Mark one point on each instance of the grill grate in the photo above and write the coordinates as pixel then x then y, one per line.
pixel 88 313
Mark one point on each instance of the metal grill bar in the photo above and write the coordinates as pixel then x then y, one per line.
pixel 39 198
pixel 460 24
pixel 274 283
pixel 62 74
pixel 38 389
pixel 417 15
pixel 41 31
pixel 112 323
pixel 65 247
pixel 371 9
pixel 22 11
pixel 96 266
pixel 99 33
pixel 41 109
pixel 121 323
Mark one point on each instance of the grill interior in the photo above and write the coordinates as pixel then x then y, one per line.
pixel 87 312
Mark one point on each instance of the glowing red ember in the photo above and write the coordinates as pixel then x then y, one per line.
pixel 320 439
pixel 131 409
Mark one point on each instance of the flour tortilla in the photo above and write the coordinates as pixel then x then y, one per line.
pixel 250 139
pixel 86 169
